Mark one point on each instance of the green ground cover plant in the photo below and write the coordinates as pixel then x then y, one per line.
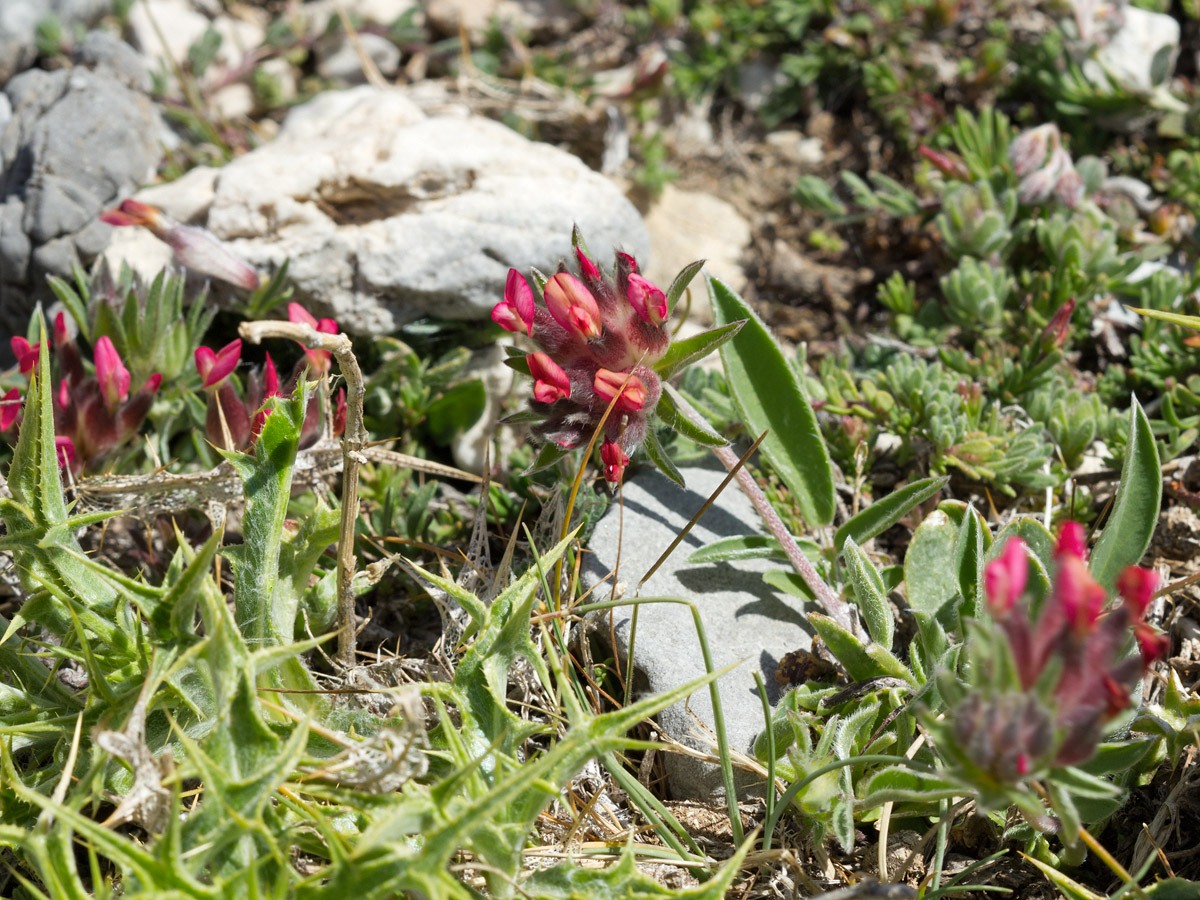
pixel 963 502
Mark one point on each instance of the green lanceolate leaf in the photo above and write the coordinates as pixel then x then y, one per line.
pixel 658 456
pixel 1173 318
pixel 681 281
pixel 969 552
pixel 772 398
pixel 682 354
pixel 860 662
pixel 1134 515
pixel 676 414
pixel 872 598
pixel 929 571
pixel 887 511
pixel 751 546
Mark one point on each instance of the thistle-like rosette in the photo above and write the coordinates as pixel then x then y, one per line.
pixel 604 349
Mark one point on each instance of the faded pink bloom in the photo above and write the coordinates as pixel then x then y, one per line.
pixel 10 408
pixel 615 460
pixel 1072 541
pixel 1028 151
pixel 1136 587
pixel 647 300
pixel 1069 188
pixel 573 306
pixel 515 312
pixel 628 388
pixel 26 353
pixel 550 381
pixel 1004 577
pixel 320 359
pixel 216 366
pixel 111 373
pixel 196 248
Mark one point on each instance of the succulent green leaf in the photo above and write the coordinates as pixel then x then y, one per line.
pixel 887 511
pixel 859 661
pixel 1134 515
pixel 872 598
pixel 772 398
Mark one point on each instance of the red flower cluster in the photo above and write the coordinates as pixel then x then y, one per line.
pixel 1071 664
pixel 599 338
pixel 93 413
pixel 235 415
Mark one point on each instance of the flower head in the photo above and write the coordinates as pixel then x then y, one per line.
pixel 628 389
pixel 196 248
pixel 516 311
pixel 26 353
pixel 215 366
pixel 111 373
pixel 573 306
pixel 647 300
pixel 550 381
pixel 615 460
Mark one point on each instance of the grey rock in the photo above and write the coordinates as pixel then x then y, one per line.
pixel 78 141
pixel 57 256
pixel 104 50
pixel 15 247
pixel 745 620
pixel 388 214
pixel 18 27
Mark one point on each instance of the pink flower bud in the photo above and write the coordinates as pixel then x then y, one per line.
pixel 631 394
pixel 614 460
pixel 26 353
pixel 1059 326
pixel 196 248
pixel 61 334
pixel 586 266
pixel 573 306
pixel 10 409
pixel 647 300
pixel 1152 643
pixel 270 379
pixel 515 311
pixel 1004 577
pixel 550 381
pixel 153 383
pixel 215 366
pixel 320 359
pixel 1072 541
pixel 111 373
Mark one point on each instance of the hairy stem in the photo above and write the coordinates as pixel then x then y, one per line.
pixel 833 605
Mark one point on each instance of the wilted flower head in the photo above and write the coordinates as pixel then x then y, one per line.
pixel 599 338
pixel 195 248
